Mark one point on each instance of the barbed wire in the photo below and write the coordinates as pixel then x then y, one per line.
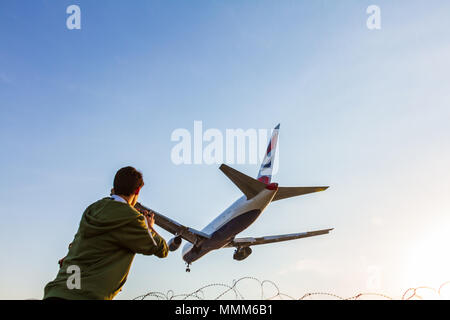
pixel 199 294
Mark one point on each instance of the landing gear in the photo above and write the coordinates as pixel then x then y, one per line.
pixel 187 267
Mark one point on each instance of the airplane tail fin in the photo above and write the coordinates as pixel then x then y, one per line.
pixel 289 192
pixel 251 187
pixel 265 172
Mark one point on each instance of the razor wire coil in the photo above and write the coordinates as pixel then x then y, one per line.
pixel 199 294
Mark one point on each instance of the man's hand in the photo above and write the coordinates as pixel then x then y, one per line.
pixel 150 217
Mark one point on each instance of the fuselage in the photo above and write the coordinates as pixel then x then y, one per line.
pixel 236 218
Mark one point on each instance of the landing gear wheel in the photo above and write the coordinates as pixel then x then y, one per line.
pixel 187 268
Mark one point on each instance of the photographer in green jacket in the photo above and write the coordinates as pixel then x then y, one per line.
pixel 111 232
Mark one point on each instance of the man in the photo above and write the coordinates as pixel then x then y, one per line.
pixel 111 232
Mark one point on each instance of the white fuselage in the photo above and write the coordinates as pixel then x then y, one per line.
pixel 236 218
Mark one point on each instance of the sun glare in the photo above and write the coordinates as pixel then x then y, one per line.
pixel 428 266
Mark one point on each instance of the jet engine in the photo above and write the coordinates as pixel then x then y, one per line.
pixel 242 253
pixel 174 243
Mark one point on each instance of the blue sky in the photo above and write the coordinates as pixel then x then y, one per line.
pixel 363 111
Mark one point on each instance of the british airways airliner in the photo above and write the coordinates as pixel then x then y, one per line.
pixel 222 231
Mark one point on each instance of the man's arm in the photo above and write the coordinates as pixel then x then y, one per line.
pixel 136 237
pixel 150 221
pixel 138 242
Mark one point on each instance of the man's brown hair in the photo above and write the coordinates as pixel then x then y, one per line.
pixel 127 181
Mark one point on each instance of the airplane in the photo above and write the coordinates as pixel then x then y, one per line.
pixel 222 231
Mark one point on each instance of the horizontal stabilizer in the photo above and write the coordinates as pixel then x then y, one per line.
pixel 247 242
pixel 289 192
pixel 248 185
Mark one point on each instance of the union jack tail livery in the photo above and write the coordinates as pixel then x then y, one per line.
pixel 265 172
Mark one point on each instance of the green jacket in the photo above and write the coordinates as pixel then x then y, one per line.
pixel 109 235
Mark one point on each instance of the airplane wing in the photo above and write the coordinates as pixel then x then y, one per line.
pixel 187 233
pixel 249 241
